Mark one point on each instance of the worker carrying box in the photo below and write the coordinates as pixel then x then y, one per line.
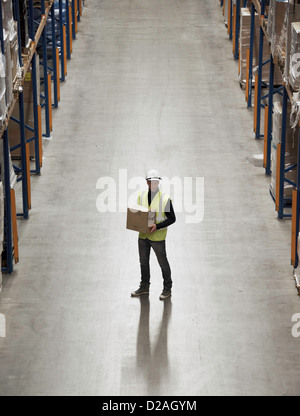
pixel 151 217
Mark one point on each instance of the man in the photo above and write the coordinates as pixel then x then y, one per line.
pixel 156 201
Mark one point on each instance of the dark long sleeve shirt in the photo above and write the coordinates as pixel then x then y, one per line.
pixel 169 211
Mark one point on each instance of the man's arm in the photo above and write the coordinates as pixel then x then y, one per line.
pixel 170 214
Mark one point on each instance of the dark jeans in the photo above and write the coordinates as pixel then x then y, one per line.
pixel 159 248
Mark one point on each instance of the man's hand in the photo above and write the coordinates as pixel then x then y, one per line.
pixel 153 228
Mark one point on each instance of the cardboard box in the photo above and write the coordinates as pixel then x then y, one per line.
pixel 245 27
pixel 140 218
pixel 291 151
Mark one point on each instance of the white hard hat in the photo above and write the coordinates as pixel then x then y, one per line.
pixel 153 175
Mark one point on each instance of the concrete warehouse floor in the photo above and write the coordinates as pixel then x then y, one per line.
pixel 151 83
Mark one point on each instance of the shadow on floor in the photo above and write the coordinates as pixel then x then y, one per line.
pixel 152 360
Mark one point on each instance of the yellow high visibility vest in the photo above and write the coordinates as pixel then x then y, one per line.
pixel 158 204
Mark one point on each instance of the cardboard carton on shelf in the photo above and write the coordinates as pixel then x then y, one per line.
pixel 245 28
pixel 140 218
pixel 291 151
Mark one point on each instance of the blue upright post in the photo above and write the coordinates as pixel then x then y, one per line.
pixel 237 29
pixel 17 11
pixel 260 66
pixel 230 31
pixel 22 126
pixel 298 204
pixel 263 7
pixel 34 91
pixel 68 30
pixel 45 65
pixel 78 8
pixel 73 18
pixel 282 153
pixel 7 204
pixel 62 46
pixel 270 116
pixel 23 156
pixel 251 55
pixel 54 56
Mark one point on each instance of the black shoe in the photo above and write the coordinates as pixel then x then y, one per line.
pixel 166 293
pixel 142 290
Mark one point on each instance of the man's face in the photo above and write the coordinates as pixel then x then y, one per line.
pixel 153 185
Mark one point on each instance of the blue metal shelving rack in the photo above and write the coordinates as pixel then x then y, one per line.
pixel 266 102
pixel 259 105
pixel 37 33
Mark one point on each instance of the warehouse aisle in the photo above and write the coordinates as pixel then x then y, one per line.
pixel 151 84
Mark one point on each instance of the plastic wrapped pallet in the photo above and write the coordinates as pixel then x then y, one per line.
pixel 9 25
pixel 12 175
pixel 14 52
pixel 270 18
pixel 294 73
pixel 291 150
pixel 279 28
pixel 7 14
pixel 8 69
pixel 10 41
pixel 292 15
pixel 2 89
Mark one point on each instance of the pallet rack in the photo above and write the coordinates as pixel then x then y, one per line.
pixel 52 76
pixel 259 104
pixel 265 102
